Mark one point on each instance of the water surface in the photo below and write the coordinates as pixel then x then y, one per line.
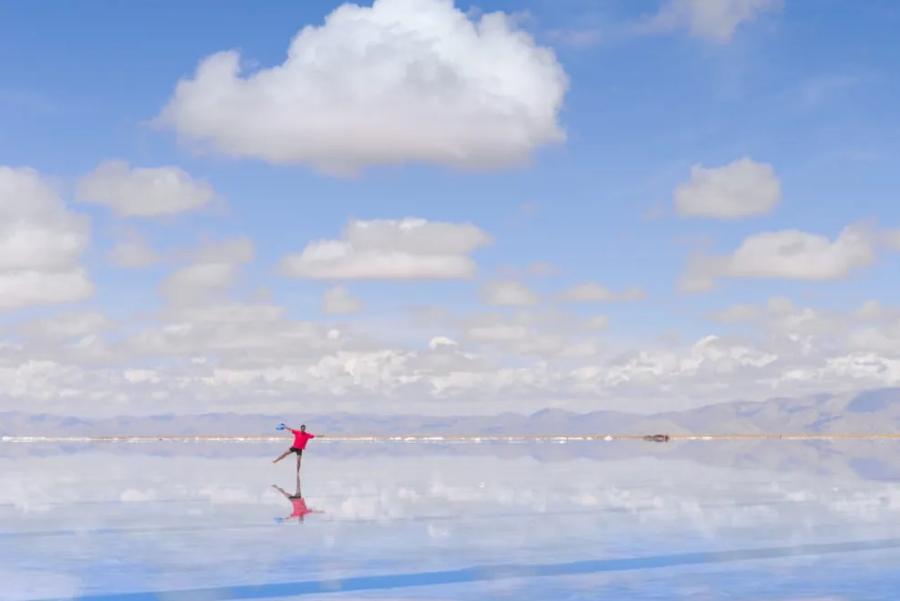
pixel 763 520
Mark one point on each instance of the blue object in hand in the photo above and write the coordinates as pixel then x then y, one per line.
pixel 281 427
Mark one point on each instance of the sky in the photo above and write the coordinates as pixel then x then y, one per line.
pixel 438 207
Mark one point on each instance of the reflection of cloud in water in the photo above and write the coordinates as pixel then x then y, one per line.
pixel 159 515
pixel 389 486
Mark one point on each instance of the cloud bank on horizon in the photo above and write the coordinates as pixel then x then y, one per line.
pixel 527 222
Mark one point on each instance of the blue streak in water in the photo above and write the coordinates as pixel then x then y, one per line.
pixel 489 573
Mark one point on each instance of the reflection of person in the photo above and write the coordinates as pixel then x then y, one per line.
pixel 298 503
pixel 301 437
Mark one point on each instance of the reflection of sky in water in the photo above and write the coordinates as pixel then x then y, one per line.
pixel 640 521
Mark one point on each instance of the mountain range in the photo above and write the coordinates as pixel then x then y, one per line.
pixel 868 412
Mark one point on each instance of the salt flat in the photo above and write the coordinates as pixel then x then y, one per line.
pixel 538 520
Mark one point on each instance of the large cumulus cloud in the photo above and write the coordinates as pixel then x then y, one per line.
pixel 400 81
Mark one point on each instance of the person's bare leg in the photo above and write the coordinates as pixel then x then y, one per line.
pixel 299 458
pixel 282 456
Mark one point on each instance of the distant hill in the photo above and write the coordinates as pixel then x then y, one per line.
pixel 869 412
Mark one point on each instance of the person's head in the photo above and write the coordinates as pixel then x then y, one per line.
pixel 303 427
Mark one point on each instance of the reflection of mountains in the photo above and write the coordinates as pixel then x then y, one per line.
pixel 867 460
pixel 876 411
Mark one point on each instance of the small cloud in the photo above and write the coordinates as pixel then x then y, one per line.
pixel 442 342
pixel 785 254
pixel 509 294
pixel 70 325
pixel 737 314
pixel 387 249
pixel 339 301
pixel 742 188
pixel 580 38
pixel 597 322
pixel 213 270
pixel 133 252
pixel 142 191
pixel 711 20
pixel 590 292
pixel 498 332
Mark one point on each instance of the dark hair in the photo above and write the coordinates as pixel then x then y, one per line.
pixel 302 426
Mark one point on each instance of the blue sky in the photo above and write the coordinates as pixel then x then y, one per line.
pixel 806 92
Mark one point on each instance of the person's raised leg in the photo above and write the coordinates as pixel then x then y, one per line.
pixel 282 456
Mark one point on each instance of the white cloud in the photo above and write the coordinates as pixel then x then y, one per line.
pixel 223 333
pixel 581 38
pixel 40 243
pixel 142 191
pixel 212 272
pixel 442 341
pixel 800 255
pixel 37 230
pixel 781 317
pixel 709 355
pixel 498 332
pixel 338 301
pixel 70 325
pixel 216 355
pixel 742 188
pixel 133 252
pixel 874 327
pixel 400 81
pixel 597 322
pixel 391 250
pixel 593 292
pixel 713 20
pixel 509 294
pixel 786 254
pixel 737 314
pixel 27 288
pixel 548 334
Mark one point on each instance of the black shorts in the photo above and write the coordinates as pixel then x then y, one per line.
pixel 296 450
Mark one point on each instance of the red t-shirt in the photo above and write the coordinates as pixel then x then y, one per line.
pixel 300 509
pixel 301 438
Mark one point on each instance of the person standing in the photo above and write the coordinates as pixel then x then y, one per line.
pixel 301 438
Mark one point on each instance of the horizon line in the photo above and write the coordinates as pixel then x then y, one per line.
pixel 453 438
